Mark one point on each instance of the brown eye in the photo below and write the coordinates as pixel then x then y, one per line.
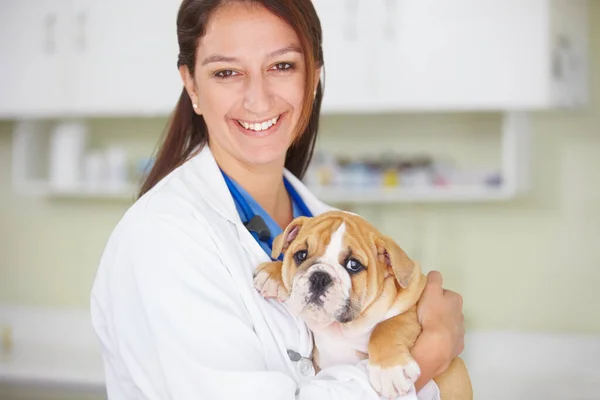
pixel 226 73
pixel 354 266
pixel 300 256
pixel 283 66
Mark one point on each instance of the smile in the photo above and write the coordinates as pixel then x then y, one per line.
pixel 258 126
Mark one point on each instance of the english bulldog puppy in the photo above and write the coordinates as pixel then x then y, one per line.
pixel 357 291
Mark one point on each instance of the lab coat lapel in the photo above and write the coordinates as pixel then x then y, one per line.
pixel 212 186
pixel 215 192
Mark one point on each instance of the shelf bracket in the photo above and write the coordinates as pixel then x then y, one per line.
pixel 516 152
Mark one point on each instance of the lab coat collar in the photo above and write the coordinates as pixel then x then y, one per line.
pixel 215 192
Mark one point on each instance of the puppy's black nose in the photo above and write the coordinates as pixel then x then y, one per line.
pixel 319 281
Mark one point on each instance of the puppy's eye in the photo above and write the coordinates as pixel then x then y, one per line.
pixel 300 256
pixel 353 266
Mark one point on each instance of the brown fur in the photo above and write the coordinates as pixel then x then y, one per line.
pixel 392 281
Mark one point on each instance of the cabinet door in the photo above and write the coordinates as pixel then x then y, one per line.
pixel 33 58
pixel 126 57
pixel 463 54
pixel 349 54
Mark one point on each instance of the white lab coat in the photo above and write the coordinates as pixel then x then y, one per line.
pixel 176 313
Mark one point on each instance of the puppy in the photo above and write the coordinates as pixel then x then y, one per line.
pixel 357 291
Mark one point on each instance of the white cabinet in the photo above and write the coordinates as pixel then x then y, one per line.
pixel 348 54
pixel 88 58
pixel 33 66
pixel 454 55
pixel 126 58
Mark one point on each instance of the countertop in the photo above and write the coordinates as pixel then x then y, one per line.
pixel 51 347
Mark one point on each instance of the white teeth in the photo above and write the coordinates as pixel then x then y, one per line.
pixel 259 126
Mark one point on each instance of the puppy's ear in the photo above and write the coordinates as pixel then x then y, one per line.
pixel 396 260
pixel 283 240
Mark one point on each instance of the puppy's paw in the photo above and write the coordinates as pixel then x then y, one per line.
pixel 267 280
pixel 394 381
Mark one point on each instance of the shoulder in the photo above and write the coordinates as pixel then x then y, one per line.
pixel 169 230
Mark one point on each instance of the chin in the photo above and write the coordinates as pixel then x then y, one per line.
pixel 264 157
pixel 321 312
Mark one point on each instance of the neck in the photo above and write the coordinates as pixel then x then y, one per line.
pixel 265 185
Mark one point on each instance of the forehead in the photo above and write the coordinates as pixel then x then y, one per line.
pixel 351 230
pixel 238 29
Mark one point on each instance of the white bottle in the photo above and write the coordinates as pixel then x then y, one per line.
pixel 116 168
pixel 67 146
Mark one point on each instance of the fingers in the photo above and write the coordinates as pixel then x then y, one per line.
pixel 434 278
pixel 459 300
pixel 456 298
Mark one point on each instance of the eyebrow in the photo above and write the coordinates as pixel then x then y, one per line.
pixel 220 58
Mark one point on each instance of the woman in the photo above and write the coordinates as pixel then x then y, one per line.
pixel 173 302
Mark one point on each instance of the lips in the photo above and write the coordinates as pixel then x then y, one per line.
pixel 258 126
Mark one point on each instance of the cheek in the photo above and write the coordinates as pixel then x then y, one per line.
pixel 215 101
pixel 291 90
pixel 359 285
pixel 288 272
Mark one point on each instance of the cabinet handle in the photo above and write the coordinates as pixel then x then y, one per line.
pixel 80 39
pixel 562 59
pixel 50 33
pixel 351 20
pixel 389 25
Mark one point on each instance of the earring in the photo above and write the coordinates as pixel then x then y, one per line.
pixel 195 105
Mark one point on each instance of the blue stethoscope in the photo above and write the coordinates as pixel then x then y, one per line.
pixel 255 223
pixel 261 233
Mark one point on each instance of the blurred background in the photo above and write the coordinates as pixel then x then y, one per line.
pixel 468 130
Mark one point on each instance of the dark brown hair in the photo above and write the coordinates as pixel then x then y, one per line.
pixel 187 130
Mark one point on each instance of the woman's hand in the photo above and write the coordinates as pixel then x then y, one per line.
pixel 442 339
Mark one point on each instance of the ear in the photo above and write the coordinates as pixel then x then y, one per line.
pixel 190 87
pixel 317 79
pixel 283 240
pixel 396 259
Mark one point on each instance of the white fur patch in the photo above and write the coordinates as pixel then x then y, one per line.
pixel 336 347
pixel 332 257
pixel 393 382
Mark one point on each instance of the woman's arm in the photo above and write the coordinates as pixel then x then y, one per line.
pixel 442 339
pixel 173 326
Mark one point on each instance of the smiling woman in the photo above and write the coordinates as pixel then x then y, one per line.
pixel 174 303
pixel 245 92
pixel 258 69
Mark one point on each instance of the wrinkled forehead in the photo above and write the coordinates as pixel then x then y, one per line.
pixel 342 231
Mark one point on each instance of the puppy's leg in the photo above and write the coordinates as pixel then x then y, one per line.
pixel 267 280
pixel 392 370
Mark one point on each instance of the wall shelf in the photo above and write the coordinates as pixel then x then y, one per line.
pixel 422 194
pixel 31 160
pixel 514 172
pixel 128 192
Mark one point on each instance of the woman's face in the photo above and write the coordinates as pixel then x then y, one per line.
pixel 249 85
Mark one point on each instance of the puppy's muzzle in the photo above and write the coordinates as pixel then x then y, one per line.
pixel 319 282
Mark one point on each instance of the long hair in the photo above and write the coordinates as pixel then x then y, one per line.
pixel 187 131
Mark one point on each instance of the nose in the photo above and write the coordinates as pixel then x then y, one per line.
pixel 257 98
pixel 319 281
